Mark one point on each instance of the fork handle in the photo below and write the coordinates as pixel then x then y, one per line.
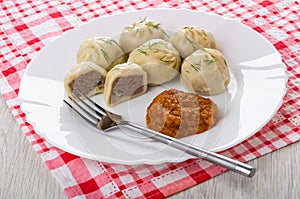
pixel 223 161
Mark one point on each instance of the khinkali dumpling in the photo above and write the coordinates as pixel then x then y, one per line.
pixel 123 82
pixel 159 59
pixel 138 33
pixel 205 72
pixel 188 39
pixel 102 51
pixel 86 77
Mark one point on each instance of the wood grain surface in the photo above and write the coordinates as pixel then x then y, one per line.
pixel 24 175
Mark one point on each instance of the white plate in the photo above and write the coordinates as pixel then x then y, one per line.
pixel 255 93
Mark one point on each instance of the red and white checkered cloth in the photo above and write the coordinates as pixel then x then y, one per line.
pixel 27 26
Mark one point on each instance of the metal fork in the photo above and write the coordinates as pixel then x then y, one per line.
pixel 105 120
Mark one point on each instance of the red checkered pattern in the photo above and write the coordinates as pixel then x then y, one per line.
pixel 27 26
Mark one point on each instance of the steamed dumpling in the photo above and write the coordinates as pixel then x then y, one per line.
pixel 140 32
pixel 205 72
pixel 124 82
pixel 86 77
pixel 188 39
pixel 102 51
pixel 159 59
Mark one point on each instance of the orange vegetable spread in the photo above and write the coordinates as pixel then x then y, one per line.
pixel 179 114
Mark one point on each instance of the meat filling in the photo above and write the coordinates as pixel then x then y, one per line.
pixel 87 83
pixel 126 87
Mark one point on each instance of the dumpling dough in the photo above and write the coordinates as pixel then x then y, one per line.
pixel 188 39
pixel 159 59
pixel 205 72
pixel 140 32
pixel 87 77
pixel 124 82
pixel 102 51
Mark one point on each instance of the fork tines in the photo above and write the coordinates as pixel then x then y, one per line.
pixel 89 110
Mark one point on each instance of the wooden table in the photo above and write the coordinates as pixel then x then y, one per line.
pixel 24 175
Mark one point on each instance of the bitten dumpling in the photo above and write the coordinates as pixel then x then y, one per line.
pixel 138 33
pixel 124 82
pixel 102 51
pixel 159 59
pixel 205 72
pixel 188 39
pixel 86 77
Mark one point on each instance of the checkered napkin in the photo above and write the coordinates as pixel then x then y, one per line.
pixel 27 27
